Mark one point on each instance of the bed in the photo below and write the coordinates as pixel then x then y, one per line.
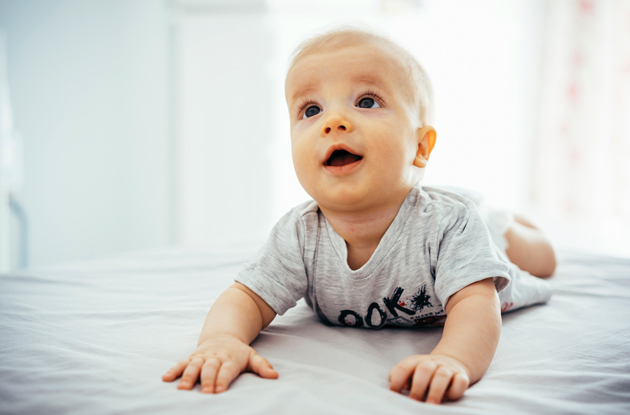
pixel 95 337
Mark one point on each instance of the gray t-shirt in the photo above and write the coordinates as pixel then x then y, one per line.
pixel 436 245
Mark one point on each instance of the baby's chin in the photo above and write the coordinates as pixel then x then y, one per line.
pixel 348 199
pixel 355 201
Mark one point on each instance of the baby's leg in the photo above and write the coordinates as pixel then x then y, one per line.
pixel 529 249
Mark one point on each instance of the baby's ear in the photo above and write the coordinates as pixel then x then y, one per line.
pixel 426 141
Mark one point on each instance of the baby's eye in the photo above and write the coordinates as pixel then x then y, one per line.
pixel 368 102
pixel 310 111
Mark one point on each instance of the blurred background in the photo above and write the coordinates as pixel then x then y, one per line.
pixel 140 124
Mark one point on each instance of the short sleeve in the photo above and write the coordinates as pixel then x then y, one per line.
pixel 278 274
pixel 466 253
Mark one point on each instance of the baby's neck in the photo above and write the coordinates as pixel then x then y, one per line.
pixel 361 231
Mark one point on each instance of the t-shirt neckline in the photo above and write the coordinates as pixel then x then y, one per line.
pixel 385 245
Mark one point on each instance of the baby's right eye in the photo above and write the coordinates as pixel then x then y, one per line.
pixel 311 111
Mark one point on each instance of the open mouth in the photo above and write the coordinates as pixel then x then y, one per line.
pixel 340 158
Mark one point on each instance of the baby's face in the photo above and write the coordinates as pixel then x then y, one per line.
pixel 354 128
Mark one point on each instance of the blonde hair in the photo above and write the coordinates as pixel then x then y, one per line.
pixel 347 36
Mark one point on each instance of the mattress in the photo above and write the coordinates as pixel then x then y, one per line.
pixel 94 337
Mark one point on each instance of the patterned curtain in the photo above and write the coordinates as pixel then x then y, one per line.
pixel 581 154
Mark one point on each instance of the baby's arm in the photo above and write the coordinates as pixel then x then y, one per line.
pixel 223 352
pixel 471 335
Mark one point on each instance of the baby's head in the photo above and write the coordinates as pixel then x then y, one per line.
pixel 360 109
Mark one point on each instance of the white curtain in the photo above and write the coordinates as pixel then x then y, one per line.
pixel 581 154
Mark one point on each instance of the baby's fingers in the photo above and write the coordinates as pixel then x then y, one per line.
pixel 189 378
pixel 458 386
pixel 401 373
pixel 261 367
pixel 441 379
pixel 421 378
pixel 209 374
pixel 228 372
pixel 174 372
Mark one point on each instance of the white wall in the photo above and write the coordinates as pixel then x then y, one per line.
pixel 89 92
pixel 225 125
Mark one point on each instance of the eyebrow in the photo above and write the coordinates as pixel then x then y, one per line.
pixel 301 92
pixel 371 80
pixel 362 78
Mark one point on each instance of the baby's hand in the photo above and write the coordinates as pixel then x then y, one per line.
pixel 435 375
pixel 217 362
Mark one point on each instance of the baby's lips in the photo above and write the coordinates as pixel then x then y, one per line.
pixel 339 146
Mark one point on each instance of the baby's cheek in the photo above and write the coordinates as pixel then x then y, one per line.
pixel 304 170
pixel 300 156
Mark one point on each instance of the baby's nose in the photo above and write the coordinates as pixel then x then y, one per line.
pixel 336 123
pixel 340 127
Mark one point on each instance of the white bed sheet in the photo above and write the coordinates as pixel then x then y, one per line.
pixel 95 337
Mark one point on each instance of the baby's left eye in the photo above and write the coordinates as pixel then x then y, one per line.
pixel 368 102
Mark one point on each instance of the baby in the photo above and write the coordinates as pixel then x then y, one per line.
pixel 374 247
